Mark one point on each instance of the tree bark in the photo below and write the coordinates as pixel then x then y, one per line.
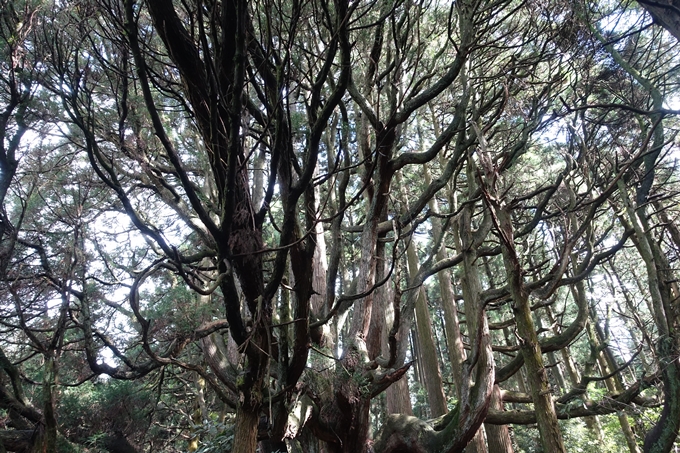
pixel 49 439
pixel 614 384
pixel 592 422
pixel 427 349
pixel 397 395
pixel 556 367
pixel 467 243
pixel 546 418
pixel 245 431
pixel 498 436
pixel 454 341
pixel 665 13
pixel 662 436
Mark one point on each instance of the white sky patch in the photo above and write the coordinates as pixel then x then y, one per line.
pixel 600 291
pixel 554 133
pixel 672 102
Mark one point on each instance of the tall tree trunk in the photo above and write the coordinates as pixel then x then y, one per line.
pixel 427 349
pixel 245 431
pixel 498 436
pixel 456 351
pixel 197 414
pixel 398 398
pixel 546 418
pixel 467 242
pixel 49 441
pixel 397 395
pixel 592 422
pixel 555 364
pixel 662 436
pixel 614 384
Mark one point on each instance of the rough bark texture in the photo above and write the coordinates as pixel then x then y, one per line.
pixel 468 242
pixel 427 349
pixel 245 431
pixel 661 438
pixel 478 443
pixel 454 339
pixel 452 326
pixel 665 13
pixel 537 377
pixel 455 430
pixel 398 399
pixel 628 433
pixel 397 395
pixel 498 436
pixel 452 432
pixel 614 384
pixel 350 414
pixel 49 441
pixel 530 348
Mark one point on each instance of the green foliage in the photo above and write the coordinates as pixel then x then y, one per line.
pixel 64 446
pixel 89 412
pixel 419 401
pixel 215 436
pixel 578 438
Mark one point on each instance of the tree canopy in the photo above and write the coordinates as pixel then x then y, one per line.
pixel 339 226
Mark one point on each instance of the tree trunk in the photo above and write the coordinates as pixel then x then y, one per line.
pixel 245 431
pixel 456 351
pixel 546 418
pixel 628 433
pixel 592 422
pixel 454 340
pixel 48 440
pixel 555 365
pixel 614 384
pixel 498 436
pixel 397 395
pixel 427 349
pixel 467 242
pixel 662 436
pixel 197 414
pixel 665 13
pixel 398 398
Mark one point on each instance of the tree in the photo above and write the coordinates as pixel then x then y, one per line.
pixel 230 196
pixel 666 14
